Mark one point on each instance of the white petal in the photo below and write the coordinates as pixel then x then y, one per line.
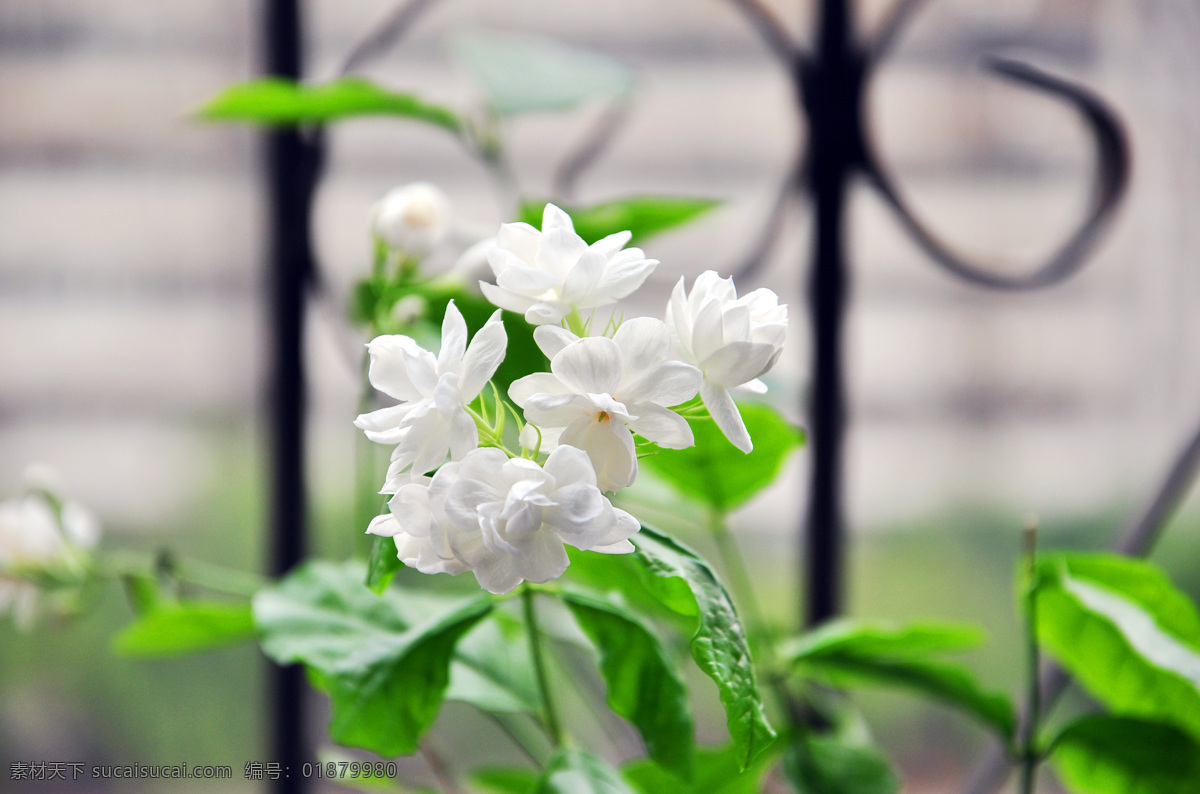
pixel 610 447
pixel 643 341
pixel 538 383
pixel 552 338
pixel 548 436
pixel 569 465
pixel 546 312
pixel 582 282
pixel 464 435
pixel 725 413
pixel 591 365
pixel 496 573
pixel 739 362
pixel 454 340
pixel 663 427
pixel 755 386
pixel 666 383
pixel 544 558
pixel 554 218
pixel 401 368
pixel 383 426
pixel 558 251
pixel 505 299
pixel 558 410
pixel 708 331
pixel 483 357
pixel 384 525
pixel 612 243
pixel 519 238
pixel 526 280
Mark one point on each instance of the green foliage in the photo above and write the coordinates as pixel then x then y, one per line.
pixel 1102 754
pixel 717 771
pixel 505 780
pixel 382 565
pixel 717 473
pixel 644 216
pixel 643 685
pixel 493 671
pixel 845 653
pixel 386 676
pixel 278 102
pixel 1124 632
pixel 685 582
pixel 576 772
pixel 177 628
pixel 520 73
pixel 833 765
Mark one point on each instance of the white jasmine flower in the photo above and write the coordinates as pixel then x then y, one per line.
pixel 732 340
pixel 431 420
pixel 600 391
pixel 412 218
pixel 548 274
pixel 416 522
pixel 35 537
pixel 508 520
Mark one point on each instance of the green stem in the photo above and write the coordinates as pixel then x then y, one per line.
pixel 739 573
pixel 575 323
pixel 202 574
pixel 539 666
pixel 1029 759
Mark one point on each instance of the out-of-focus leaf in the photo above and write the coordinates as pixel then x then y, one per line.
pixel 1102 754
pixel 382 564
pixel 492 670
pixel 644 216
pixel 277 102
pixel 831 765
pixel 847 654
pixel 174 628
pixel 507 780
pixel 717 473
pixel 1124 632
pixel 685 581
pixel 643 685
pixel 577 772
pixel 718 771
pixel 386 680
pixel 522 73
pixel 142 592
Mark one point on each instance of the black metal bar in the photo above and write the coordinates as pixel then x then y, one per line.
pixel 831 86
pixel 290 264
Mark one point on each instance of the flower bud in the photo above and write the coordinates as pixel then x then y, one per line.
pixel 412 218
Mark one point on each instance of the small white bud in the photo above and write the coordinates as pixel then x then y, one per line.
pixel 412 218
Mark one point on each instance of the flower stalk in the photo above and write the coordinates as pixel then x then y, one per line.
pixel 549 715
pixel 1028 749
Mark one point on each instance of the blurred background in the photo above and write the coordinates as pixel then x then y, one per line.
pixel 134 332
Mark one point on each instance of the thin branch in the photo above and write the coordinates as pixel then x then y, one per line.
pixel 754 261
pixel 589 149
pixel 889 32
pixel 770 29
pixel 1111 180
pixel 1138 540
pixel 384 34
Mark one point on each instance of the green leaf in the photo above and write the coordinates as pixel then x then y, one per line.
pixel 277 102
pixel 177 628
pixel 522 73
pixel 831 765
pixel 643 685
pixel 493 671
pixel 386 680
pixel 644 216
pixel 720 475
pixel 383 564
pixel 142 592
pixel 506 780
pixel 686 582
pixel 845 653
pixel 1129 637
pixel 718 771
pixel 1102 754
pixel 576 772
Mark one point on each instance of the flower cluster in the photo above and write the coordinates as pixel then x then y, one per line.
pixel 41 537
pixel 505 508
